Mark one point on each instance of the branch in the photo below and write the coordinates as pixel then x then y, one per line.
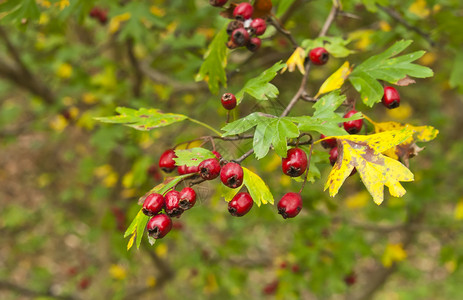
pixel 138 74
pixel 5 285
pixel 283 31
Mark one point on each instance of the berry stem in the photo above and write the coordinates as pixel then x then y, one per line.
pixel 244 156
pixel 308 167
pixel 205 125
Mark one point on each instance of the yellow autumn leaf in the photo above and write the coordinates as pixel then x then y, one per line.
pixel 362 38
pixel 419 8
pixel 458 213
pixel 295 60
pixel 116 21
pixel 357 200
pixel 117 272
pixel 403 112
pixel 336 80
pixel 393 253
pixel 363 152
pixel 132 240
pixel 64 70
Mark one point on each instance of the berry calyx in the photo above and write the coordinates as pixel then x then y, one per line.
pixel 319 56
pixel 228 101
pixel 153 204
pixel 243 11
pixel 254 44
pixel 232 175
pixel 352 127
pixel 391 97
pixel 187 198
pixel 258 26
pixel 166 161
pixel 329 143
pixel 240 205
pixel 158 226
pixel 217 3
pixel 183 169
pixel 240 37
pixel 209 169
pixel 290 205
pixel 295 162
pixel 172 200
pixel 333 155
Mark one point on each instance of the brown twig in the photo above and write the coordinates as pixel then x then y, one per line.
pixel 283 31
pixel 138 74
pixel 5 285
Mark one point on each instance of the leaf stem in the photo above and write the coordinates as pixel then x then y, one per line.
pixel 205 125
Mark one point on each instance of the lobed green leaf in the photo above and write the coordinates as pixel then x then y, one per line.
pixel 192 157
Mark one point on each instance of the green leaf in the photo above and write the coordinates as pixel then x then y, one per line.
pixel 257 188
pixel 143 119
pixel 457 72
pixel 215 60
pixel 241 125
pixel 284 130
pixel 192 157
pixel 365 76
pixel 336 46
pixel 260 86
pixel 228 193
pixel 19 10
pixel 283 6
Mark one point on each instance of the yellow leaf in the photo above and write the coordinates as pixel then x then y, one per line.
pixel 59 123
pixel 161 250
pixel 357 200
pixel 62 4
pixel 393 253
pixel 64 70
pixel 295 60
pixel 384 26
pixel 459 210
pixel 419 9
pixel 336 80
pixel 151 281
pixel 132 240
pixel 157 11
pixel 116 21
pixel 376 170
pixel 362 38
pixel 404 111
pixel 117 272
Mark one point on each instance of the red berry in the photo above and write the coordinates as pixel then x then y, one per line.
pixel 240 37
pixel 158 226
pixel 295 163
pixel 153 204
pixel 319 56
pixel 172 200
pixel 218 3
pixel 258 26
pixel 183 169
pixel 254 44
pixel 290 205
pixel 333 155
pixel 187 198
pixel 391 97
pixel 234 25
pixel 209 169
pixel 352 127
pixel 240 205
pixel 329 143
pixel 218 155
pixel 271 288
pixel 228 101
pixel 350 279
pixel 243 11
pixel 166 161
pixel 99 14
pixel 232 175
pixel 84 283
pixel 153 171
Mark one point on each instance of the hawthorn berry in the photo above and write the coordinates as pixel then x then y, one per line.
pixel 158 226
pixel 290 205
pixel 209 169
pixel 240 37
pixel 187 198
pixel 258 26
pixel 228 101
pixel 153 204
pixel 271 288
pixel 218 155
pixel 166 161
pixel 232 175
pixel 333 155
pixel 350 279
pixel 172 204
pixel 319 56
pixel 217 3
pixel 254 44
pixel 391 97
pixel 183 169
pixel 100 14
pixel 352 127
pixel 329 143
pixel 295 162
pixel 243 11
pixel 234 25
pixel 240 205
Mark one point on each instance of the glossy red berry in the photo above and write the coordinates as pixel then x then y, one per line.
pixel 217 3
pixel 232 175
pixel 187 198
pixel 240 205
pixel 243 11
pixel 153 204
pixel 333 155
pixel 329 143
pixel 209 169
pixel 183 169
pixel 166 161
pixel 240 37
pixel 258 26
pixel 158 226
pixel 352 127
pixel 218 155
pixel 228 101
pixel 254 44
pixel 172 200
pixel 319 56
pixel 290 205
pixel 295 162
pixel 391 97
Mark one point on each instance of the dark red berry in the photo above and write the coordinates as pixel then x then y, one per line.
pixel 232 175
pixel 391 97
pixel 218 155
pixel 329 143
pixel 158 226
pixel 240 37
pixel 319 56
pixel 271 288
pixel 352 127
pixel 218 3
pixel 295 162
pixel 153 171
pixel 187 198
pixel 350 279
pixel 153 204
pixel 84 283
pixel 234 25
pixel 254 44
pixel 290 205
pixel 209 169
pixel 183 169
pixel 228 101
pixel 333 155
pixel 258 26
pixel 243 11
pixel 295 268
pixel 100 14
pixel 172 200
pixel 240 205
pixel 166 161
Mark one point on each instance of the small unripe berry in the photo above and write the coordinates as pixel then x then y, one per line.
pixel 243 11
pixel 183 169
pixel 254 44
pixel 217 3
pixel 158 226
pixel 391 97
pixel 333 155
pixel 240 205
pixel 258 26
pixel 352 127
pixel 290 205
pixel 295 162
pixel 187 198
pixel 172 200
pixel 228 101
pixel 232 175
pixel 329 143
pixel 240 37
pixel 166 161
pixel 209 169
pixel 153 204
pixel 319 56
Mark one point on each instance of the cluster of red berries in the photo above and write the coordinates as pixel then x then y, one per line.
pixel 99 14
